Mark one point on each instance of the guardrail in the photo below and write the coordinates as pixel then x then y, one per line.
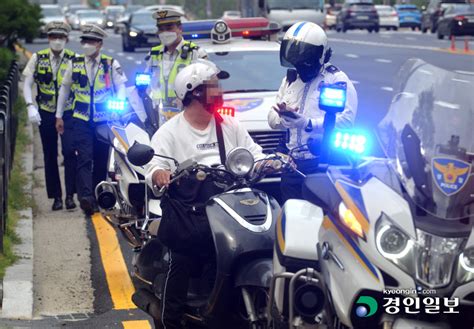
pixel 8 129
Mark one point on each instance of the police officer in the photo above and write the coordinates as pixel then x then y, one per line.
pixel 94 78
pixel 304 48
pixel 46 68
pixel 166 60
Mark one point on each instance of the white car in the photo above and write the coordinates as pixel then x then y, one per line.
pixel 388 17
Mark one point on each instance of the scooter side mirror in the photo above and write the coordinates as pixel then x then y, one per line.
pixel 140 154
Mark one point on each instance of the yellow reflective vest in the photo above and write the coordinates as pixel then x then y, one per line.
pixel 90 101
pixel 48 85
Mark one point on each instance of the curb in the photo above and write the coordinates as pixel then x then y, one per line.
pixel 17 300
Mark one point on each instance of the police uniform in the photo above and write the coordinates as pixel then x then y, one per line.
pixel 93 81
pixel 305 96
pixel 47 71
pixel 164 65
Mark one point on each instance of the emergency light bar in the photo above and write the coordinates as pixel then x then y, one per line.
pixel 116 105
pixel 249 27
pixel 349 141
pixel 142 80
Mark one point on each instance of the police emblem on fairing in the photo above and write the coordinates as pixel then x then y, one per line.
pixel 450 175
pixel 249 202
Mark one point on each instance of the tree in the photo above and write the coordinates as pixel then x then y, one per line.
pixel 19 19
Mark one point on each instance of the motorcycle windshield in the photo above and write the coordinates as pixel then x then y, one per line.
pixel 428 136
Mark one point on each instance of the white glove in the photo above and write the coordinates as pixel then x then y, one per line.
pixel 33 114
pixel 299 122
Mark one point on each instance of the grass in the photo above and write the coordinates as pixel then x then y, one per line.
pixel 17 198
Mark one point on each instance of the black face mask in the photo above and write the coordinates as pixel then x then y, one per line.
pixel 308 73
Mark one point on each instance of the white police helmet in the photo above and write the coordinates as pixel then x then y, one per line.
pixel 305 46
pixel 194 75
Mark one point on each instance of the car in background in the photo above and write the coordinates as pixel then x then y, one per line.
pixel 90 16
pixel 409 16
pixel 139 31
pixel 388 17
pixel 129 10
pixel 50 13
pixel 112 14
pixel 429 18
pixel 456 20
pixel 358 15
pixel 231 14
pixel 71 15
pixel 331 15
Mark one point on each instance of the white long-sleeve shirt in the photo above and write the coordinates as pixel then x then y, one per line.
pixel 305 97
pixel 178 139
pixel 118 77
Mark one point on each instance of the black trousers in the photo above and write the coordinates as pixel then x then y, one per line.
pixel 92 157
pixel 292 183
pixel 49 141
pixel 182 266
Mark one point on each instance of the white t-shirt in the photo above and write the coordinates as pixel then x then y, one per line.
pixel 179 140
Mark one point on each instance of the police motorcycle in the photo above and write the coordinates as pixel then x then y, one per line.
pixel 242 220
pixel 123 197
pixel 387 242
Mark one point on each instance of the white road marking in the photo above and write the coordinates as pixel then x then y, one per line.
pixel 355 82
pixel 138 62
pixel 352 55
pixel 464 72
pixel 426 72
pixel 120 54
pixel 383 60
pixel 387 88
pixel 448 105
pixel 130 58
pixel 460 80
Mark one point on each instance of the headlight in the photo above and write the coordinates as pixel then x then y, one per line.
pixel 133 34
pixel 239 161
pixel 221 27
pixel 393 243
pixel 436 257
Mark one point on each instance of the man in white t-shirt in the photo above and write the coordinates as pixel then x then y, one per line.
pixel 191 134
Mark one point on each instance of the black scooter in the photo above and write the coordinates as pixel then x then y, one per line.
pixel 242 221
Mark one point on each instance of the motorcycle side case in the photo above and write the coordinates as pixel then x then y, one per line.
pixel 296 244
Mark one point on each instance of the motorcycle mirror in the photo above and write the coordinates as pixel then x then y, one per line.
pixel 140 154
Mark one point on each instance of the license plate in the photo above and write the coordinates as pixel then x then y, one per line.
pixel 153 40
pixel 362 17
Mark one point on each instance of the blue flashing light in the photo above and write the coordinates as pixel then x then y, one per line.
pixel 351 142
pixel 332 96
pixel 116 105
pixel 142 79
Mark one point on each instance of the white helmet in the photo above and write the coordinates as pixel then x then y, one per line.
pixel 194 75
pixel 305 46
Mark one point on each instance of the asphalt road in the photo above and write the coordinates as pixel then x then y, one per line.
pixel 370 60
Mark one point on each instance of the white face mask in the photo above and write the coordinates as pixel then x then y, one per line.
pixel 89 49
pixel 167 38
pixel 57 44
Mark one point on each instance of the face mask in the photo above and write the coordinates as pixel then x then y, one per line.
pixel 167 38
pixel 89 49
pixel 57 44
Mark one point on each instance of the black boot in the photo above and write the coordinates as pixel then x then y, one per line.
pixel 70 202
pixel 57 204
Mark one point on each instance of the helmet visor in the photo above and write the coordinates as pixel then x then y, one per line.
pixel 295 53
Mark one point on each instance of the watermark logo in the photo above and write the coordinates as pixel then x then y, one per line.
pixel 368 306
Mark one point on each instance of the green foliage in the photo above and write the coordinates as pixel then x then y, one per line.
pixel 19 18
pixel 6 57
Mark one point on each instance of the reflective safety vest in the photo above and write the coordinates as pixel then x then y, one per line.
pixel 48 84
pixel 162 87
pixel 90 101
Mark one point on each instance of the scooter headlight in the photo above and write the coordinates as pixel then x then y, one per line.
pixel 393 243
pixel 239 161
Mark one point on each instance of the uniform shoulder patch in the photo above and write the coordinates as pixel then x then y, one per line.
pixel 332 69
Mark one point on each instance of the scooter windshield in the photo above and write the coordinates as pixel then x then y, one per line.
pixel 428 134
